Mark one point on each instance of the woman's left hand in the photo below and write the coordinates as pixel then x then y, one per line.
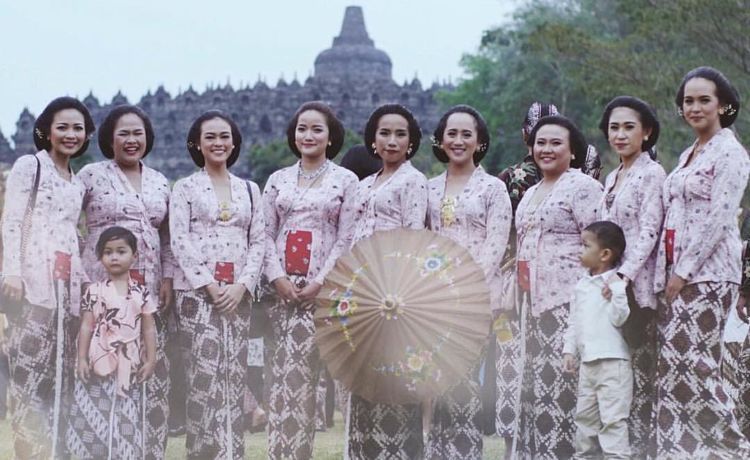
pixel 674 286
pixel 230 297
pixel 310 291
pixel 166 294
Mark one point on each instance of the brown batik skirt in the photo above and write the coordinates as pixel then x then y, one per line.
pixel 295 369
pixel 694 414
pixel 216 346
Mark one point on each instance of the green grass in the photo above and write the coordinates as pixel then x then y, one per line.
pixel 329 445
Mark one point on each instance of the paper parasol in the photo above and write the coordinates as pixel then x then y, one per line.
pixel 403 316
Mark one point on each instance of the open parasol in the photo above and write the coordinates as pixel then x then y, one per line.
pixel 403 316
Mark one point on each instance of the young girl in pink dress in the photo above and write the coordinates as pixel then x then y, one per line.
pixel 116 354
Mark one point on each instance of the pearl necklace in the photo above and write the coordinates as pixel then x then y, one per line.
pixel 313 175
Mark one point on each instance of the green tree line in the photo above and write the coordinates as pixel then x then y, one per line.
pixel 579 54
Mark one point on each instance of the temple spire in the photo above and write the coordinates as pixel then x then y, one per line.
pixel 353 31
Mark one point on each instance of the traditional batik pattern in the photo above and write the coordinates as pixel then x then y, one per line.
pixel 217 346
pixel 110 199
pixel 734 371
pixel 326 211
pixel 384 431
pixel 454 432
pixel 105 424
pixel 32 350
pixel 694 415
pixel 641 422
pixel 548 396
pixel 509 368
pixel 296 371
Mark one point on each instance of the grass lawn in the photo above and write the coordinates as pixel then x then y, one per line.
pixel 328 445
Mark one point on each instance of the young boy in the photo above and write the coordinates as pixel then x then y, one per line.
pixel 605 385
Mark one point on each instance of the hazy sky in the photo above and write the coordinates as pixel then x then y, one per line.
pixel 50 48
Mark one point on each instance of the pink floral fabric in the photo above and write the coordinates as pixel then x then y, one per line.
pixel 481 222
pixel 325 210
pixel 53 228
pixel 398 202
pixel 109 200
pixel 116 342
pixel 203 234
pixel 702 200
pixel 549 237
pixel 637 208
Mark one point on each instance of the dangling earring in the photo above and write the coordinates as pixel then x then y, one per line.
pixel 680 112
pixel 645 138
pixel 408 151
pixel 329 143
pixel 572 157
pixel 374 150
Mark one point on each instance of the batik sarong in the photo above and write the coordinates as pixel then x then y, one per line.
pixel 548 396
pixel 295 369
pixel 104 423
pixel 384 431
pixel 216 368
pixel 641 421
pixel 454 431
pixel 33 383
pixel 157 395
pixel 694 414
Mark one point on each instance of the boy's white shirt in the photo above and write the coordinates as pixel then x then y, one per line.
pixel 594 323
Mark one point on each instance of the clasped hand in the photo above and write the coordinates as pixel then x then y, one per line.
pixel 288 292
pixel 226 298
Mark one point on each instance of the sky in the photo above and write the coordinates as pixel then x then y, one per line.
pixel 73 47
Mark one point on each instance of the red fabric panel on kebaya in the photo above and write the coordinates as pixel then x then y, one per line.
pixel 669 242
pixel 524 276
pixel 62 267
pixel 298 252
pixel 224 272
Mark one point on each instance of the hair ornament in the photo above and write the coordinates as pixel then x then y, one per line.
pixel 729 110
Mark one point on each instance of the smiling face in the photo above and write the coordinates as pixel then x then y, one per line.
pixel 392 139
pixel 552 150
pixel 117 257
pixel 216 141
pixel 311 134
pixel 625 132
pixel 700 105
pixel 460 138
pixel 129 140
pixel 67 132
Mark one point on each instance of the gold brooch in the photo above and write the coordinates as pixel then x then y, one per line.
pixel 224 214
pixel 448 211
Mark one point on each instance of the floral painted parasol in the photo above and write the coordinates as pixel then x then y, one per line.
pixel 403 316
